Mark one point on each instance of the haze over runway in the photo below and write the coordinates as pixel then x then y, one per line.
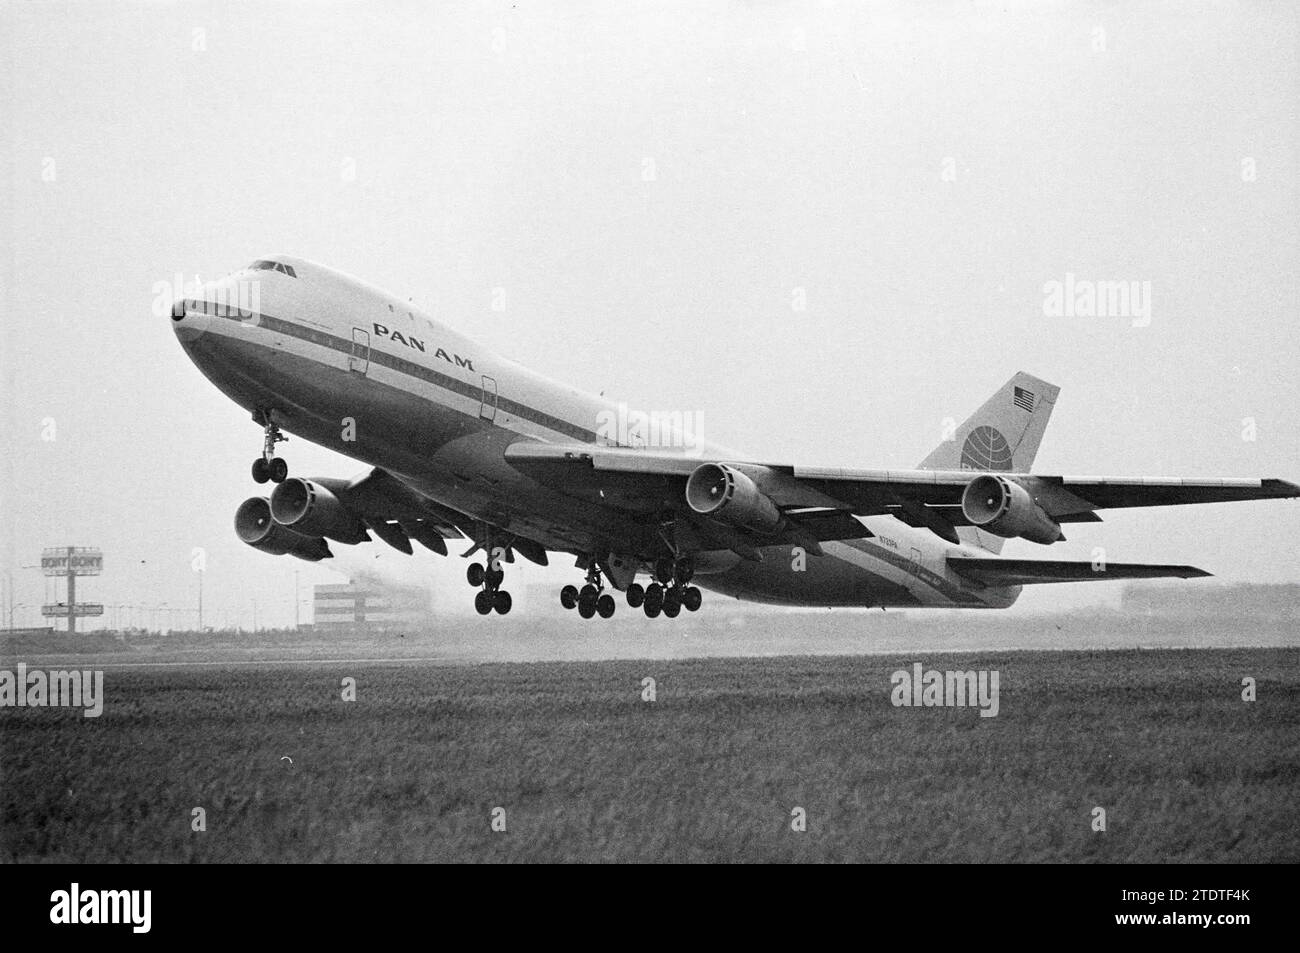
pixel 823 261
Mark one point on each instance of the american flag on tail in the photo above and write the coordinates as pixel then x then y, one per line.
pixel 1024 399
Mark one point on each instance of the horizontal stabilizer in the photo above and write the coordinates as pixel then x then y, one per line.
pixel 1028 572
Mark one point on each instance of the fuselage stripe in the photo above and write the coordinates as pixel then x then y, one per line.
pixel 924 574
pixel 465 389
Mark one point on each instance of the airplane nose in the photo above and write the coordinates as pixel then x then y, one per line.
pixel 188 327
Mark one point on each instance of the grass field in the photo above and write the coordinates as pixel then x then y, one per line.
pixel 587 770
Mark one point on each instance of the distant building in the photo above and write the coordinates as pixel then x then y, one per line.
pixel 369 606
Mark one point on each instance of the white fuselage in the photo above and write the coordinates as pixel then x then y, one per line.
pixel 350 367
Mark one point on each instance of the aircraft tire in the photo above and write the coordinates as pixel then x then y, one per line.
pixel 654 599
pixel 692 598
pixel 605 606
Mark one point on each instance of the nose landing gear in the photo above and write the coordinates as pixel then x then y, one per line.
pixel 268 466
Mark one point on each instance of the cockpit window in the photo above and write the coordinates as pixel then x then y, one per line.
pixel 264 265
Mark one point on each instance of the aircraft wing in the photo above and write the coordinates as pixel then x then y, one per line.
pixel 641 480
pixel 394 512
pixel 581 467
pixel 1104 493
pixel 397 514
pixel 995 571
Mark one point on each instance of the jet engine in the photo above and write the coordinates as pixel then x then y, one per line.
pixel 1005 508
pixel 254 525
pixel 724 493
pixel 311 509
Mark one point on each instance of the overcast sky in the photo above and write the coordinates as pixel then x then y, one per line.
pixel 656 189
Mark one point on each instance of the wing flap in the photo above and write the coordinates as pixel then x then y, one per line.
pixel 1028 572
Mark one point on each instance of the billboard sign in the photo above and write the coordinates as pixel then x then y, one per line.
pixel 60 609
pixel 79 560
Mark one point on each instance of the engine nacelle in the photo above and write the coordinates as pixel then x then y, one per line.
pixel 255 526
pixel 310 509
pixel 725 494
pixel 1005 508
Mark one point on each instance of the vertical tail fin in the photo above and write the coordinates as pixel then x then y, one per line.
pixel 1003 434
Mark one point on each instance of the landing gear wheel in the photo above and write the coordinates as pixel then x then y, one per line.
pixel 278 469
pixel 261 472
pixel 691 599
pixel 664 570
pixel 589 593
pixel 586 609
pixel 605 606
pixel 672 602
pixel 654 599
pixel 569 597
pixel 635 595
pixel 685 570
pixel 483 602
pixel 502 602
pixel 475 574
pixel 651 610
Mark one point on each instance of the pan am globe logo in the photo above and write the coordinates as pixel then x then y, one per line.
pixel 986 449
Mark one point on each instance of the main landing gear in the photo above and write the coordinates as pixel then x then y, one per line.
pixel 268 466
pixel 488 581
pixel 669 594
pixel 591 599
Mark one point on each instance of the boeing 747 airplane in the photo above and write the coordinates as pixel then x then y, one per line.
pixel 464 444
